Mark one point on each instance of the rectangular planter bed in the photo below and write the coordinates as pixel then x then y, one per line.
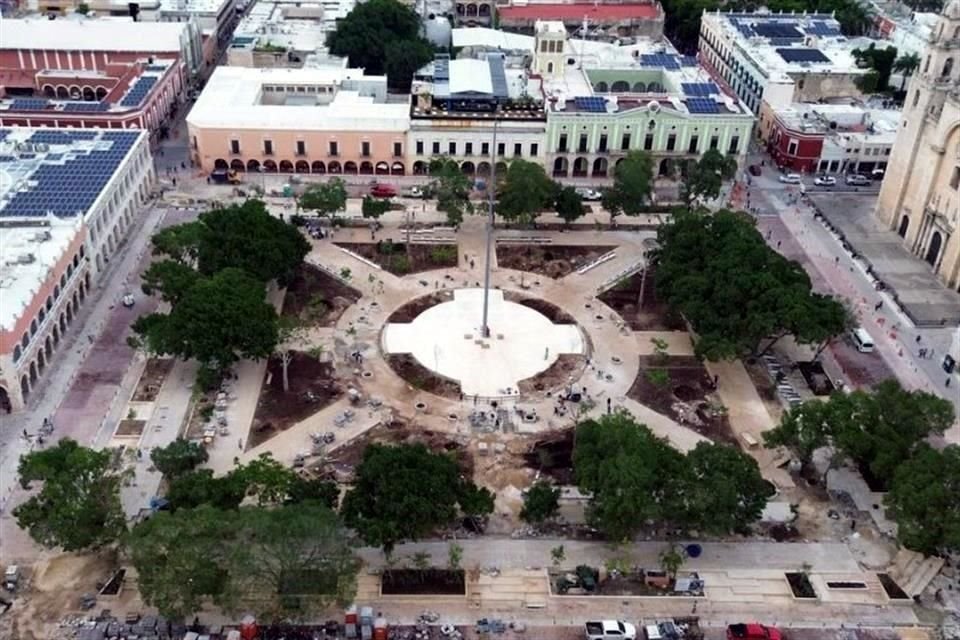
pixel 801 586
pixel 427 582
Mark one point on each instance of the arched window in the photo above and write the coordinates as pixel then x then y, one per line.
pixel 947 68
pixel 17 352
pixel 916 97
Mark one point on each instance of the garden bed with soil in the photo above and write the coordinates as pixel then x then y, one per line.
pixel 553 456
pixel 564 370
pixel 552 261
pixel 343 459
pixel 424 582
pixel 554 314
pixel 396 259
pixel 409 311
pixel 653 316
pixel 816 378
pixel 891 588
pixel 800 586
pixel 679 387
pixel 130 428
pixel 155 372
pixel 312 388
pixel 316 297
pixel 419 377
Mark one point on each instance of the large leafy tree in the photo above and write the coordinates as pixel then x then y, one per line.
pixel 569 204
pixel 451 187
pixel 405 492
pixel 632 185
pixel 627 471
pixel 924 499
pixel 880 61
pixel 524 192
pixel 170 278
pixel 706 176
pixel 720 274
pixel 218 320
pixel 540 503
pixel 906 65
pixel 78 506
pixel 382 36
pixel 325 199
pixel 178 457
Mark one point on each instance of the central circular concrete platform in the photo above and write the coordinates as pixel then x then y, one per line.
pixel 447 340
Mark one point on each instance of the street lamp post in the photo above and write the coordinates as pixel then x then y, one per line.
pixel 491 198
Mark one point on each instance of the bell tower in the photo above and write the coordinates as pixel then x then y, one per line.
pixel 550 42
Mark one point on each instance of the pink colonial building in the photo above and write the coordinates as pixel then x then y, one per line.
pixel 309 120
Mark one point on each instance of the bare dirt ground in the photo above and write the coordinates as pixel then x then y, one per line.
pixel 316 297
pixel 152 378
pixel 409 311
pixel 685 393
pixel 552 261
pixel 312 387
pixel 130 427
pixel 419 377
pixel 654 314
pixel 555 314
pixel 399 259
pixel 565 369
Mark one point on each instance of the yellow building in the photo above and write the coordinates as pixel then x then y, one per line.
pixel 920 197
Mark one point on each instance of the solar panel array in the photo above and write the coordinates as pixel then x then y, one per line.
pixel 688 61
pixel 802 54
pixel 702 105
pixel 88 107
pixel 823 28
pixel 702 89
pixel 778 31
pixel 667 61
pixel 498 78
pixel 29 104
pixel 591 104
pixel 139 91
pixel 68 183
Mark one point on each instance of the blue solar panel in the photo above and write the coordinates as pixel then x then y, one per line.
pixel 823 28
pixel 702 105
pixel 67 185
pixel 701 89
pixel 29 104
pixel 139 91
pixel 591 104
pixel 802 54
pixel 778 31
pixel 688 61
pixel 663 60
pixel 89 107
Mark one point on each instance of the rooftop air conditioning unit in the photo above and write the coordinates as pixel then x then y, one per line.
pixel 26 258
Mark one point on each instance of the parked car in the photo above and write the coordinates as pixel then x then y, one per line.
pixel 753 631
pixel 380 190
pixel 590 195
pixel 610 630
pixel 855 179
pixel 755 170
pixel 415 192
pixel 825 181
pixel 877 174
pixel 128 300
pixel 790 178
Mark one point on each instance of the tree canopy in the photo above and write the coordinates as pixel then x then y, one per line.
pixel 540 502
pixel 632 185
pixel 178 457
pixel 78 508
pixel 404 492
pixel 451 188
pixel 924 499
pixel 524 191
pixel 383 37
pixel 217 320
pixel 569 204
pixel 373 208
pixel 705 177
pixel 718 271
pixel 325 198
pixel 880 61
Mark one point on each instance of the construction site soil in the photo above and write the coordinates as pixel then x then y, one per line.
pixel 654 315
pixel 552 261
pixel 154 373
pixel 317 298
pixel 400 259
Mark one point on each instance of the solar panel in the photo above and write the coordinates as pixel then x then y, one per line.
pixel 688 61
pixel 778 31
pixel 591 104
pixel 29 104
pixel 498 78
pixel 702 105
pixel 138 92
pixel 823 28
pixel 699 88
pixel 663 60
pixel 802 54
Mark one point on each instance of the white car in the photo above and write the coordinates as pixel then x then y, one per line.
pixel 790 178
pixel 415 192
pixel 825 181
pixel 128 301
pixel 857 180
pixel 590 194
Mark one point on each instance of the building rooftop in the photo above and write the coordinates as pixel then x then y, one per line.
pixel 590 11
pixel 301 26
pixel 95 34
pixel 192 6
pixel 29 253
pixel 233 99
pixel 783 44
pixel 849 119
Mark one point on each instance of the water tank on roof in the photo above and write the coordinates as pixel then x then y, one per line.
pixel 438 31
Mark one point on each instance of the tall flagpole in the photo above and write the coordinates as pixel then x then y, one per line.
pixel 491 198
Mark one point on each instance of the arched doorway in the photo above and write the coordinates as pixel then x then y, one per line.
pixel 366 168
pixel 269 166
pixel 286 166
pixel 560 168
pixel 397 169
pixel 41 362
pixel 237 165
pixel 56 335
pixel 49 91
pixel 48 347
pixel 383 169
pixel 5 404
pixel 253 166
pixel 471 11
pixel 333 167
pixel 666 168
pixel 350 167
pixel 620 86
pixel 101 93
pixel 600 168
pixel 88 94
pixel 501 168
pixel 303 166
pixel 601 87
pixel 24 387
pixel 484 11
pixel 468 168
pixel 63 93
pixel 419 168
pixel 580 167
pixel 63 323
pixel 33 372
pixel 654 87
pixel 318 167
pixel 639 87
pixel 483 169
pixel 904 225
pixel 220 163
pixel 933 250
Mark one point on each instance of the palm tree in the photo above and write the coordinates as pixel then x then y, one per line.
pixel 906 65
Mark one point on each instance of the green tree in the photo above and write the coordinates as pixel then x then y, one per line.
pixel 924 499
pixel 804 429
pixel 169 278
pixel 671 559
pixel 200 487
pixel 382 36
pixel 524 192
pixel 374 207
pixel 325 492
pixel 291 333
pixel 180 242
pixel 178 457
pixel 906 65
pixel 218 320
pixel 402 492
pixel 627 471
pixel 632 185
pixel 326 199
pixel 881 61
pixel 541 502
pixel 569 204
pixel 83 8
pixel 705 177
pixel 476 503
pixel 78 507
pixel 451 187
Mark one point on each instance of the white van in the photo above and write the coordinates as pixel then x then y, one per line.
pixel 862 340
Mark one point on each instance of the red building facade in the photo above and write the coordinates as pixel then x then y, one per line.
pixel 794 150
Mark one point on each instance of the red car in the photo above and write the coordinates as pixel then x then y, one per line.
pixel 383 191
pixel 753 631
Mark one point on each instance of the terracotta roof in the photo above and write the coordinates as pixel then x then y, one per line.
pixel 578 11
